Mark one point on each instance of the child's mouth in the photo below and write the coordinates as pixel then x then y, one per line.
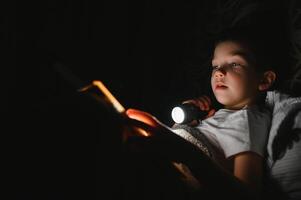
pixel 220 87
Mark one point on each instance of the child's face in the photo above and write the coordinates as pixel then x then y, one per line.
pixel 233 79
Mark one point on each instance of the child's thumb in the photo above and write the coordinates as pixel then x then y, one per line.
pixel 143 117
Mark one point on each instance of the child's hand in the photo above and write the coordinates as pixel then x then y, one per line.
pixel 142 124
pixel 203 103
pixel 143 117
pixel 160 140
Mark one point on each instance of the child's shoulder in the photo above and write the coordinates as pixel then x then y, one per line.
pixel 254 112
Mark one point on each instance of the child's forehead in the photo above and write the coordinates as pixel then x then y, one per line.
pixel 230 48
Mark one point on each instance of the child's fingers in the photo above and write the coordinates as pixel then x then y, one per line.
pixel 192 101
pixel 143 117
pixel 197 102
pixel 211 113
pixel 208 100
pixel 205 102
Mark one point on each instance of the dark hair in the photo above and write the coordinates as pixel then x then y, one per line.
pixel 266 50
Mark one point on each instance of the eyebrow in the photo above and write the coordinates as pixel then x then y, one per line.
pixel 245 55
pixel 242 54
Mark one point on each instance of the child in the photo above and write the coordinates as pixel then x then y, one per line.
pixel 240 78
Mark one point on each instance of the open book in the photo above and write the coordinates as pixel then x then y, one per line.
pixel 101 93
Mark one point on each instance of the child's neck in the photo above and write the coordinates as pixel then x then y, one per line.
pixel 256 101
pixel 238 106
pixel 235 107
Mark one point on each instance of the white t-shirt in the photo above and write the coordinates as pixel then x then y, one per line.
pixel 230 132
pixel 237 131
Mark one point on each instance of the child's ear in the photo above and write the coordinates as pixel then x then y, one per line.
pixel 267 80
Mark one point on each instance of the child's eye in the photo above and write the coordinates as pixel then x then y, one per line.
pixel 214 68
pixel 235 65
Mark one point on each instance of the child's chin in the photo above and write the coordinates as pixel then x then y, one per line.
pixel 221 99
pixel 224 101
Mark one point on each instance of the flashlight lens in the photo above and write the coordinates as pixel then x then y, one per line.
pixel 178 115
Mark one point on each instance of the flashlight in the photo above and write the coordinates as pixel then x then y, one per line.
pixel 187 112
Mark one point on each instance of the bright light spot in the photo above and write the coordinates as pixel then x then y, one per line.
pixel 178 115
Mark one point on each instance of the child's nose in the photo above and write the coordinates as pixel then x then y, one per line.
pixel 220 73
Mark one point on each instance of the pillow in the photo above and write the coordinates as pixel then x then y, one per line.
pixel 195 137
pixel 284 145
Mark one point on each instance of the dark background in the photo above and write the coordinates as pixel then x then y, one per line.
pixel 150 54
pixel 146 52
